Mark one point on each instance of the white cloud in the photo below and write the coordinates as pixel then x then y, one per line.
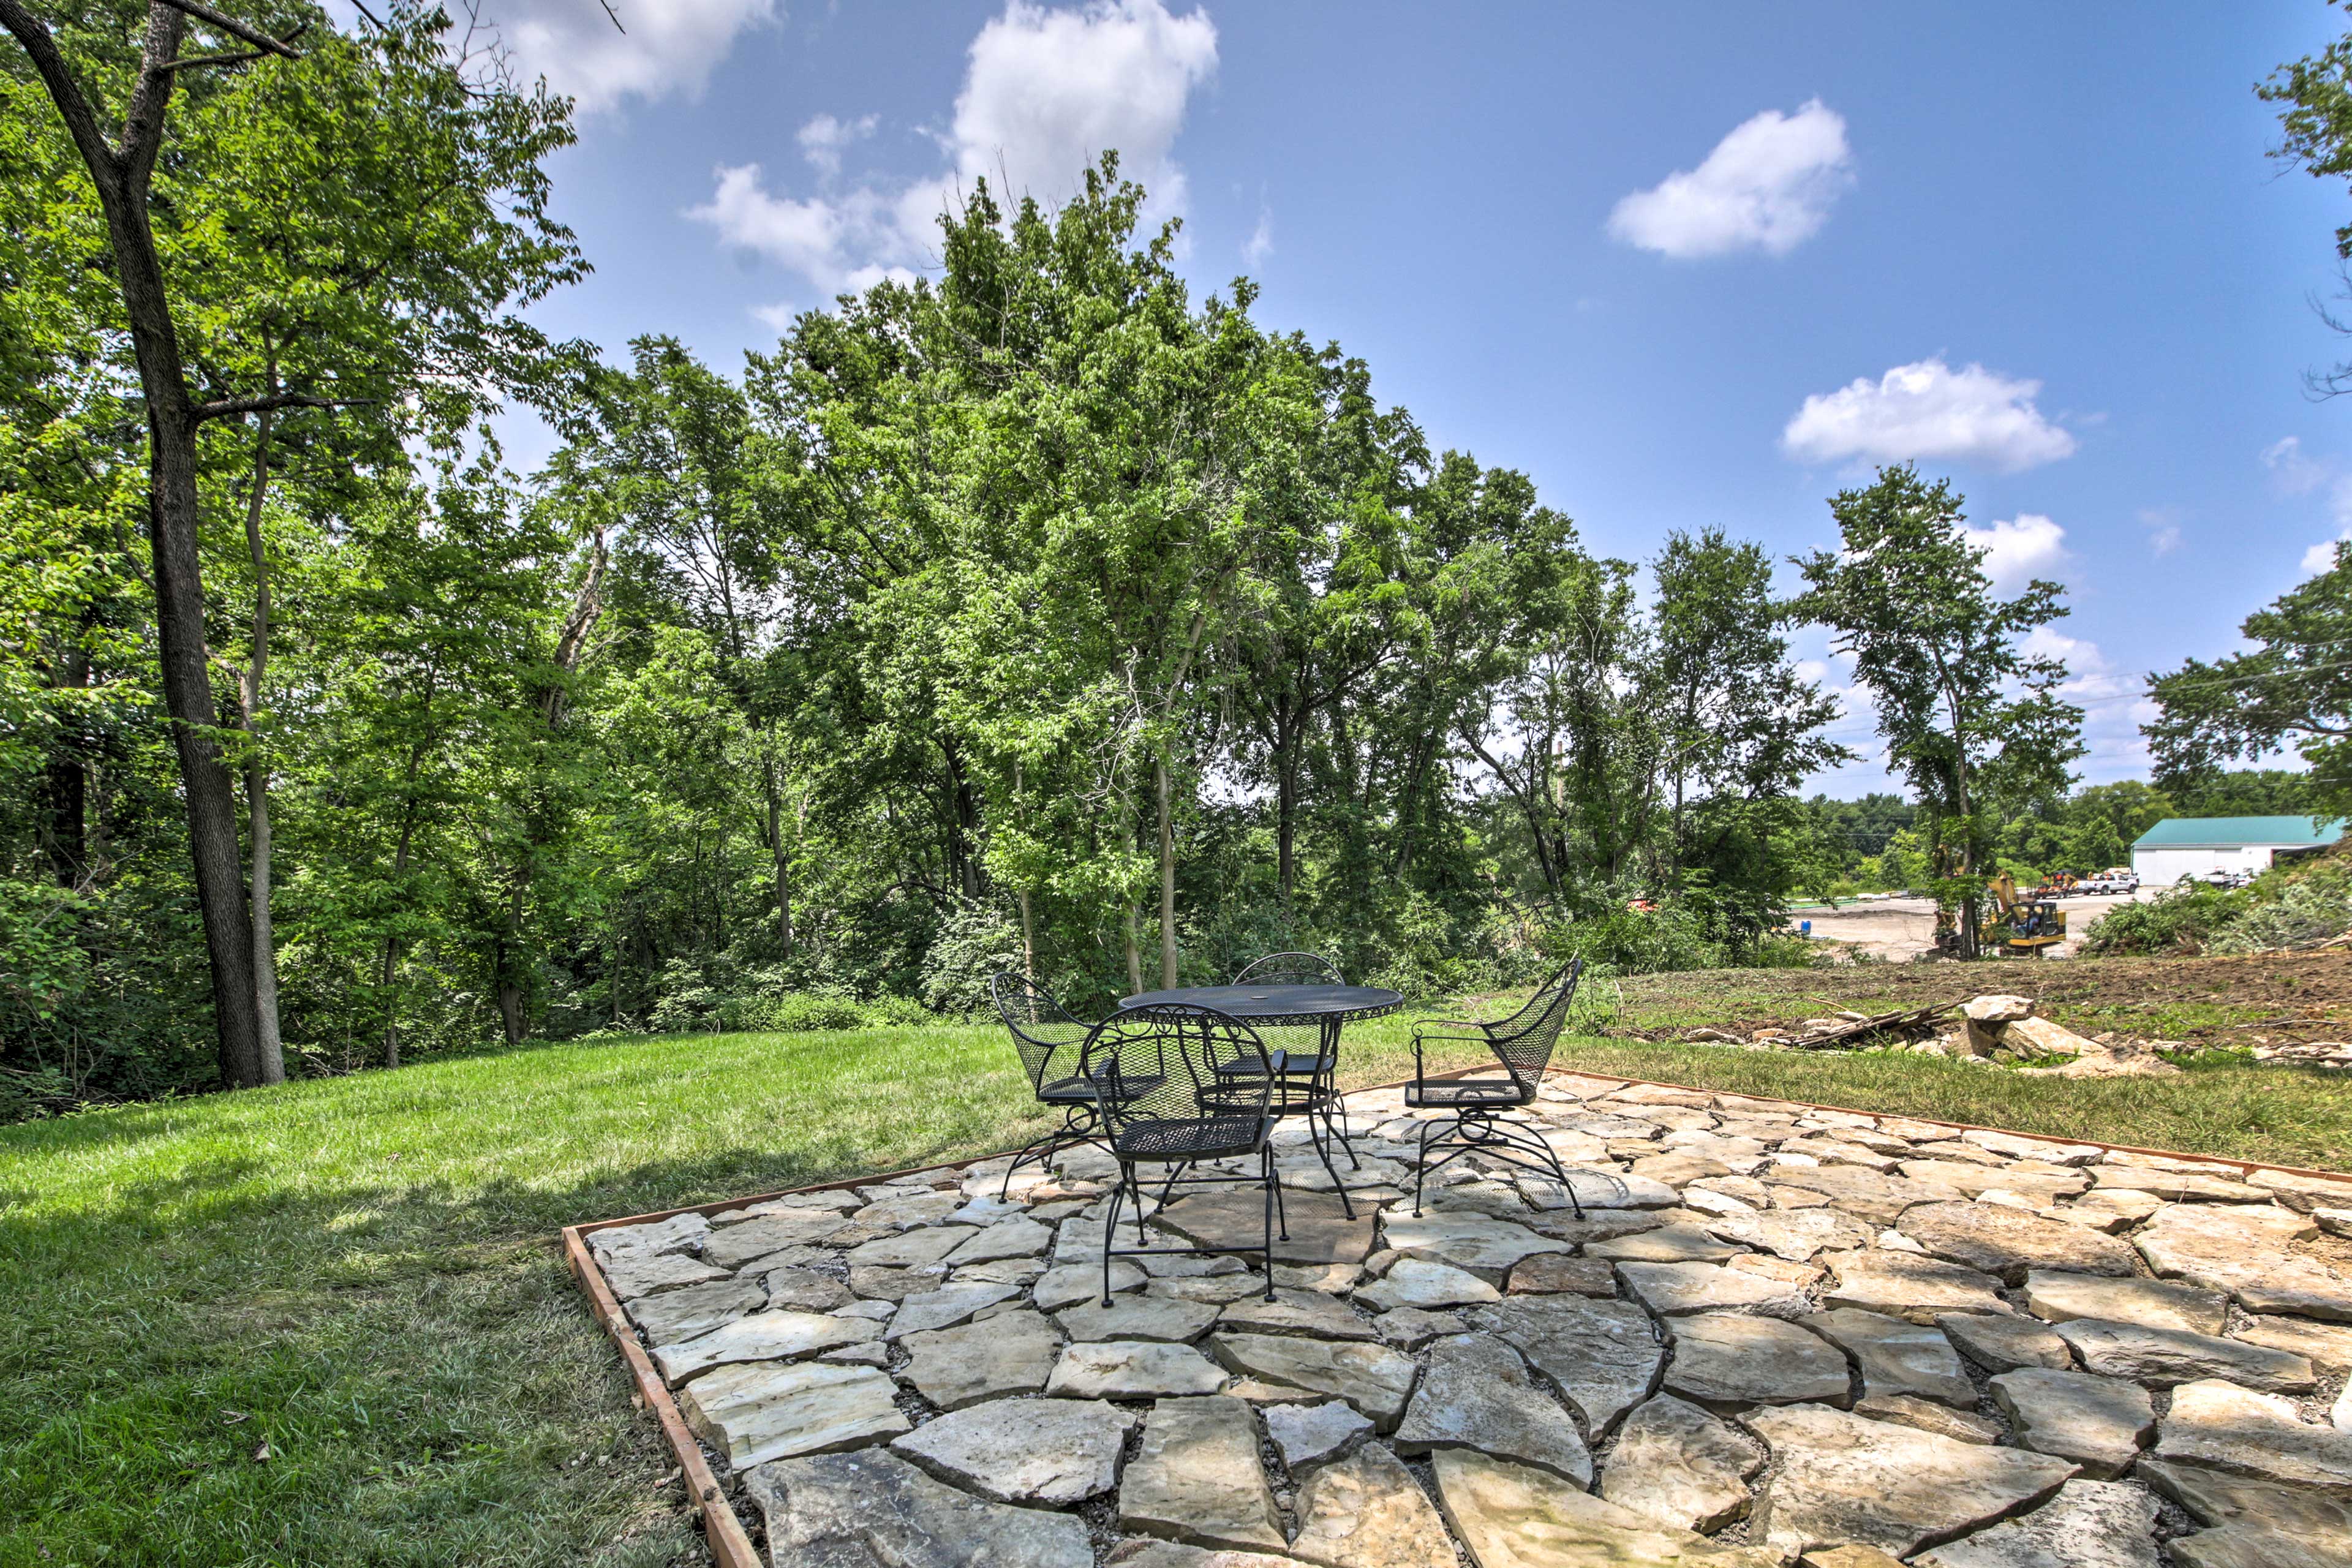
pixel 1928 409
pixel 2294 473
pixel 670 45
pixel 2163 525
pixel 1260 244
pixel 2164 541
pixel 1767 187
pixel 2020 549
pixel 1045 93
pixel 823 139
pixel 2297 475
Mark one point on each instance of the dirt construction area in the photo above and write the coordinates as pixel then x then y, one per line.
pixel 1906 928
pixel 2240 1002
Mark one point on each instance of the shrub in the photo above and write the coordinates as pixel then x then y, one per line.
pixel 2296 905
pixel 804 1010
pixel 973 943
pixel 2179 920
pixel 1619 940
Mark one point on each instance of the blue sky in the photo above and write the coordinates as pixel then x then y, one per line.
pixel 1686 266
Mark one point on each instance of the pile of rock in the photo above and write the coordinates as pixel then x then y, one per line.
pixel 1778 1334
pixel 2002 1029
pixel 2335 1055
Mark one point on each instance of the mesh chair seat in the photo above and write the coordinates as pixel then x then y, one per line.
pixel 1480 1107
pixel 1202 1137
pixel 1454 1092
pixel 1081 1090
pixel 1294 1064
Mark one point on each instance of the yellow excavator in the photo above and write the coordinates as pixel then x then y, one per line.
pixel 2025 926
pixel 2028 926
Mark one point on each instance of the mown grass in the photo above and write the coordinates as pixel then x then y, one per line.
pixel 362 1273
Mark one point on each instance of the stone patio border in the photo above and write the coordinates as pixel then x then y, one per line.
pixel 731 1545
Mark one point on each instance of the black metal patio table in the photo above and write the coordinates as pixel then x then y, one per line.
pixel 1322 1007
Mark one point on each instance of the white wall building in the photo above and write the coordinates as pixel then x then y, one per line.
pixel 2198 846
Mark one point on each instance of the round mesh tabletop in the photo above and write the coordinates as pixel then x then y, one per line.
pixel 1279 1004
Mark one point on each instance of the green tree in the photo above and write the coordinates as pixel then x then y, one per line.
pixel 2293 689
pixel 350 226
pixel 2313 95
pixel 1970 716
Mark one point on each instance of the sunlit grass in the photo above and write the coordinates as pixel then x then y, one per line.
pixel 361 1272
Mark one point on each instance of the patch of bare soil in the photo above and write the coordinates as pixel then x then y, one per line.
pixel 2235 1001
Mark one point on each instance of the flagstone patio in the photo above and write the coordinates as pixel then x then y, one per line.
pixel 1778 1334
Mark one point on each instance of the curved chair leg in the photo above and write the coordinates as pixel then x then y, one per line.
pixel 1420 1165
pixel 1329 1169
pixel 1110 1228
pixel 1273 1185
pixel 1135 1187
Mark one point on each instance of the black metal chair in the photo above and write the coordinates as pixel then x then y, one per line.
pixel 1166 1094
pixel 1523 1045
pixel 1052 1044
pixel 1310 1053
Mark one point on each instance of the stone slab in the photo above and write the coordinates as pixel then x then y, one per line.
pixel 2158 1303
pixel 1730 1361
pixel 761 1336
pixel 1196 1477
pixel 1509 1516
pixel 1374 1378
pixel 2099 1423
pixel 1475 1393
pixel 1675 1463
pixel 2089 1524
pixel 1896 1356
pixel 1132 1369
pixel 1367 1511
pixel 1011 1353
pixel 1039 1452
pixel 1908 1285
pixel 1996 1239
pixel 874 1510
pixel 2163 1357
pixel 1839 1478
pixel 756 1410
pixel 1604 1357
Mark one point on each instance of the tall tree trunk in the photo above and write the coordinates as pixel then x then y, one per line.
pixel 391 968
pixel 1167 871
pixel 1028 941
pixel 1285 811
pixel 781 857
pixel 122 178
pixel 257 772
pixel 1134 950
pixel 64 816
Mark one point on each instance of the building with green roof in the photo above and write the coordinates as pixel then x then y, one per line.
pixel 2198 846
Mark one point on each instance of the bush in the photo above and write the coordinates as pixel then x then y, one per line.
pixel 2300 905
pixel 1619 940
pixel 2179 920
pixel 975 943
pixel 804 1010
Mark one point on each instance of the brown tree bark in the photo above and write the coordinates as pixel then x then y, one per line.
pixel 121 174
pixel 782 857
pixel 1167 872
pixel 269 1044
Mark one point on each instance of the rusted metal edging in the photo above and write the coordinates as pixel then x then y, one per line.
pixel 731 1545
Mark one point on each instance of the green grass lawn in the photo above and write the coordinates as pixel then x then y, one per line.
pixel 362 1273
